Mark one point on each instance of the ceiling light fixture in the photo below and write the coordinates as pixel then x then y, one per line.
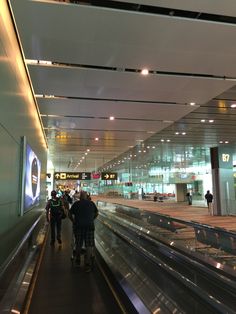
pixel 192 103
pixel 144 72
pixel 211 121
pixel 111 118
pixel 203 120
pixel 233 106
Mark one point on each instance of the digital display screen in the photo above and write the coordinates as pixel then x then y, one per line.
pixel 32 179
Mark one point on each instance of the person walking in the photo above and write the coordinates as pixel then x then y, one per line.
pixel 82 214
pixel 209 199
pixel 54 212
pixel 189 197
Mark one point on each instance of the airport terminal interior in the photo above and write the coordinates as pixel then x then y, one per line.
pixel 130 107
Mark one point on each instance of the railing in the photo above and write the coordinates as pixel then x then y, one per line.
pixel 145 266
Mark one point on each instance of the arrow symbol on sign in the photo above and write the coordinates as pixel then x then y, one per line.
pixel 57 175
pixel 106 176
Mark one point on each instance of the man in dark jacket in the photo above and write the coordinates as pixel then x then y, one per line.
pixel 82 215
pixel 54 212
pixel 209 199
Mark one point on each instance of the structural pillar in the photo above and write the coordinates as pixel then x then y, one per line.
pixel 223 181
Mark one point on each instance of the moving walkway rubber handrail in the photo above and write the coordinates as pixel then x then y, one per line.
pixel 15 252
pixel 186 282
pixel 145 233
pixel 186 222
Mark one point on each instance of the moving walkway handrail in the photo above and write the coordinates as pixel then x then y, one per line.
pixel 15 252
pixel 182 221
pixel 220 307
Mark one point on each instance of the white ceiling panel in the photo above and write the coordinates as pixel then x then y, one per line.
pixel 80 82
pixel 226 7
pixel 102 50
pixel 125 39
pixel 118 109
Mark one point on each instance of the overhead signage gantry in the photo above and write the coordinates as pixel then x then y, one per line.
pixel 109 176
pixel 72 175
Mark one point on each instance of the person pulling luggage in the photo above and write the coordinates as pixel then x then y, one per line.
pixel 82 214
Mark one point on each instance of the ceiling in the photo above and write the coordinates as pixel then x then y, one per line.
pixel 85 60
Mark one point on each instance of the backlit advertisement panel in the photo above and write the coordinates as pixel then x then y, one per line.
pixel 32 179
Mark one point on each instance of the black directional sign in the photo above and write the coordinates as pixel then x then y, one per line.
pixel 72 175
pixel 109 176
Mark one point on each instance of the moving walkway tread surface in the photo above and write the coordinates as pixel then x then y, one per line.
pixel 61 288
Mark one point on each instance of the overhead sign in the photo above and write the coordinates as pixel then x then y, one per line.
pixel 96 175
pixel 72 175
pixel 109 175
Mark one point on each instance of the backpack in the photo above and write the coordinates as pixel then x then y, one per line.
pixel 56 208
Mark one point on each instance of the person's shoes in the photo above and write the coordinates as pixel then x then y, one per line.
pixel 59 241
pixel 52 242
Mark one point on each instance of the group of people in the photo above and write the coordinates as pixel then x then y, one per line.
pixel 82 214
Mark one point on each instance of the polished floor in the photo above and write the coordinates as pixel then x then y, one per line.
pixel 177 210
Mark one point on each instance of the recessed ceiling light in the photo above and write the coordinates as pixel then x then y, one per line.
pixel 211 121
pixel 96 139
pixel 226 142
pixel 162 140
pixel 233 106
pixel 144 72
pixel 177 133
pixel 183 133
pixel 111 118
pixel 192 103
pixel 203 120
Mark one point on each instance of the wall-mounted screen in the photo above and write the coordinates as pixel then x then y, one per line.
pixel 32 179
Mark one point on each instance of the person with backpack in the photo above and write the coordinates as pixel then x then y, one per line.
pixel 55 212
